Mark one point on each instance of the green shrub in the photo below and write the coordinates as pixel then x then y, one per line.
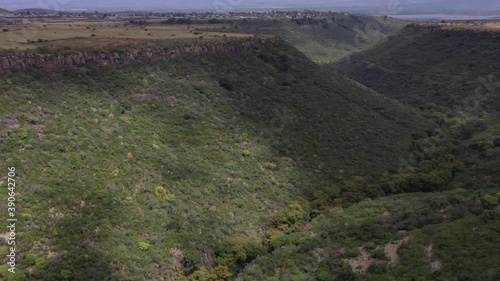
pixel 345 274
pixel 438 202
pixel 370 246
pixel 66 274
pixel 30 259
pixel 19 275
pixel 489 201
pixel 236 253
pixel 323 275
pixel 333 192
pixel 283 241
pixel 489 216
pixel 164 194
pixel 24 133
pixel 296 212
pixel 218 273
pixel 41 263
pixel 351 252
pixel 191 261
pixel 379 254
pixel 144 246
pixel 456 200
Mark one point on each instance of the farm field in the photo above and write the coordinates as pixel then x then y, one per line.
pixel 487 26
pixel 29 35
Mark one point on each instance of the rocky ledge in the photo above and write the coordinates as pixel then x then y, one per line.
pixel 29 60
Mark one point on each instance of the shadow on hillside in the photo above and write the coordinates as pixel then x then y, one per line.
pixel 324 121
pixel 78 238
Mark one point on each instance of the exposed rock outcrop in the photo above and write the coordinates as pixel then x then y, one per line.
pixel 30 60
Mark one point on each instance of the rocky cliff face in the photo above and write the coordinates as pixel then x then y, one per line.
pixel 29 60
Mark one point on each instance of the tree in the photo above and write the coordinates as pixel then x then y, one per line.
pixel 489 201
pixel 345 274
pixel 218 273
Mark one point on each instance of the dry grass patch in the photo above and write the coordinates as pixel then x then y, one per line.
pixel 54 33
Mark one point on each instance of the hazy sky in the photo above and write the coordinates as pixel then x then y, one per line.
pixel 243 4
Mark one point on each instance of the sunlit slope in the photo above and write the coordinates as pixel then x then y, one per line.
pixel 124 171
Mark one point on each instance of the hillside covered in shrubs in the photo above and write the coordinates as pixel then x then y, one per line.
pixel 258 166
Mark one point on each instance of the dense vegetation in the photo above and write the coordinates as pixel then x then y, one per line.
pixel 448 235
pixel 257 166
pixel 428 64
pixel 125 171
pixel 450 76
pixel 324 39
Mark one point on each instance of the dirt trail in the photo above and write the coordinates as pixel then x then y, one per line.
pixel 435 264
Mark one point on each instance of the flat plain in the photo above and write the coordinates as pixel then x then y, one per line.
pixel 30 33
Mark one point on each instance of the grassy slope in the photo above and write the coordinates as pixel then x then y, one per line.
pixel 422 64
pixel 91 145
pixel 330 39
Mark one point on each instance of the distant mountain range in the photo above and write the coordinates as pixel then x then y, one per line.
pixel 37 11
pixel 361 6
pixel 452 6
